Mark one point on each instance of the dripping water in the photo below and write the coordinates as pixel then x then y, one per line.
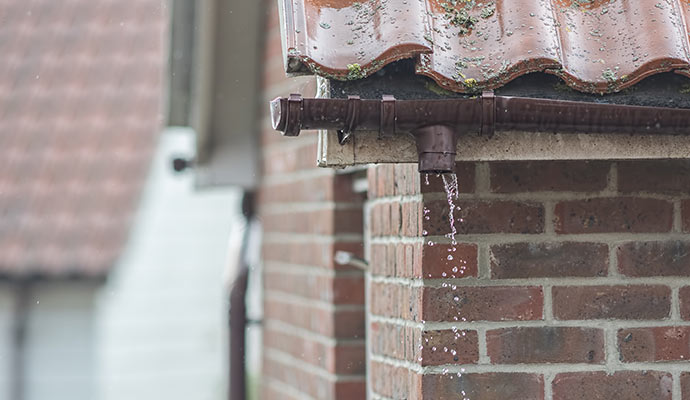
pixel 451 188
pixel 450 184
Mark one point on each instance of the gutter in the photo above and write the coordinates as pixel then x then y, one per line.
pixel 437 125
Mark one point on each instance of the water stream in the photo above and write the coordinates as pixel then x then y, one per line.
pixel 451 187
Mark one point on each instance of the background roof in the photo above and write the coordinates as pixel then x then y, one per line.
pixel 80 87
pixel 596 46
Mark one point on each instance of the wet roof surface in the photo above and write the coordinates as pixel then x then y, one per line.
pixel 79 105
pixel 594 46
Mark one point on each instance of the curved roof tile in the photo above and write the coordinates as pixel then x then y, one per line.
pixel 80 88
pixel 595 46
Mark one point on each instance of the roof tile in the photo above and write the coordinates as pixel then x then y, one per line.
pixel 80 87
pixel 596 46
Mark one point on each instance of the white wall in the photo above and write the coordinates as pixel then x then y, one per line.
pixel 162 314
pixel 59 356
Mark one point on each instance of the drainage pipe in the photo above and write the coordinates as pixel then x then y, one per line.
pixel 20 316
pixel 436 124
pixel 237 317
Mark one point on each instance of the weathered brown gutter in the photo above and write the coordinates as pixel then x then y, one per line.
pixel 436 124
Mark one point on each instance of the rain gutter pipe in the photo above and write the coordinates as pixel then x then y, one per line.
pixel 238 309
pixel 437 124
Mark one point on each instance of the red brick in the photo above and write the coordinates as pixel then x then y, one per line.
pixel 332 289
pixel 393 382
pixel 386 219
pixel 685 385
pixel 441 347
pixel 622 214
pixel 312 384
pixel 487 386
pixel 685 215
pixel 382 262
pixel 552 176
pixel 611 302
pixel 538 260
pixel 375 219
pixel 406 257
pixel 654 344
pixel 310 253
pixel 381 377
pixel 406 179
pixel 395 341
pixel 381 173
pixel 269 137
pixel 395 301
pixel 411 215
pixel 684 295
pixel 269 392
pixel 317 222
pixel 657 176
pixel 396 259
pixel 395 223
pixel 348 323
pixel 292 159
pixel 484 217
pixel 341 189
pixel 348 221
pixel 435 262
pixel 316 189
pixel 620 385
pixel 545 345
pixel 341 358
pixel 656 258
pixel 350 390
pixel 490 303
pixel 464 172
pixel 372 178
pixel 385 176
pixel 425 348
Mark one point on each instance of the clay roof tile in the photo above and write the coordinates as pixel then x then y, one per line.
pixel 80 86
pixel 595 46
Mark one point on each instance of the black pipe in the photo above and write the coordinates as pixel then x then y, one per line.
pixel 20 316
pixel 238 309
pixel 238 324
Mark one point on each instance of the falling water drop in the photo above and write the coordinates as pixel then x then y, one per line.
pixel 450 183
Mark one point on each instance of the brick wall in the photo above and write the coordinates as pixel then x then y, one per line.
pixel 313 309
pixel 570 280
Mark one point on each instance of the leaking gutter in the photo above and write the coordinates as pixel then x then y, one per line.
pixel 438 124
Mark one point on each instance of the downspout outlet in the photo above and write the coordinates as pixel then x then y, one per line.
pixel 436 146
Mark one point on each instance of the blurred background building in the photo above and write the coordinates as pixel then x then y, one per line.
pixel 112 267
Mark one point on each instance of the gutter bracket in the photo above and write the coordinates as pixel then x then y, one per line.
pixel 387 125
pixel 353 105
pixel 488 125
pixel 293 123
